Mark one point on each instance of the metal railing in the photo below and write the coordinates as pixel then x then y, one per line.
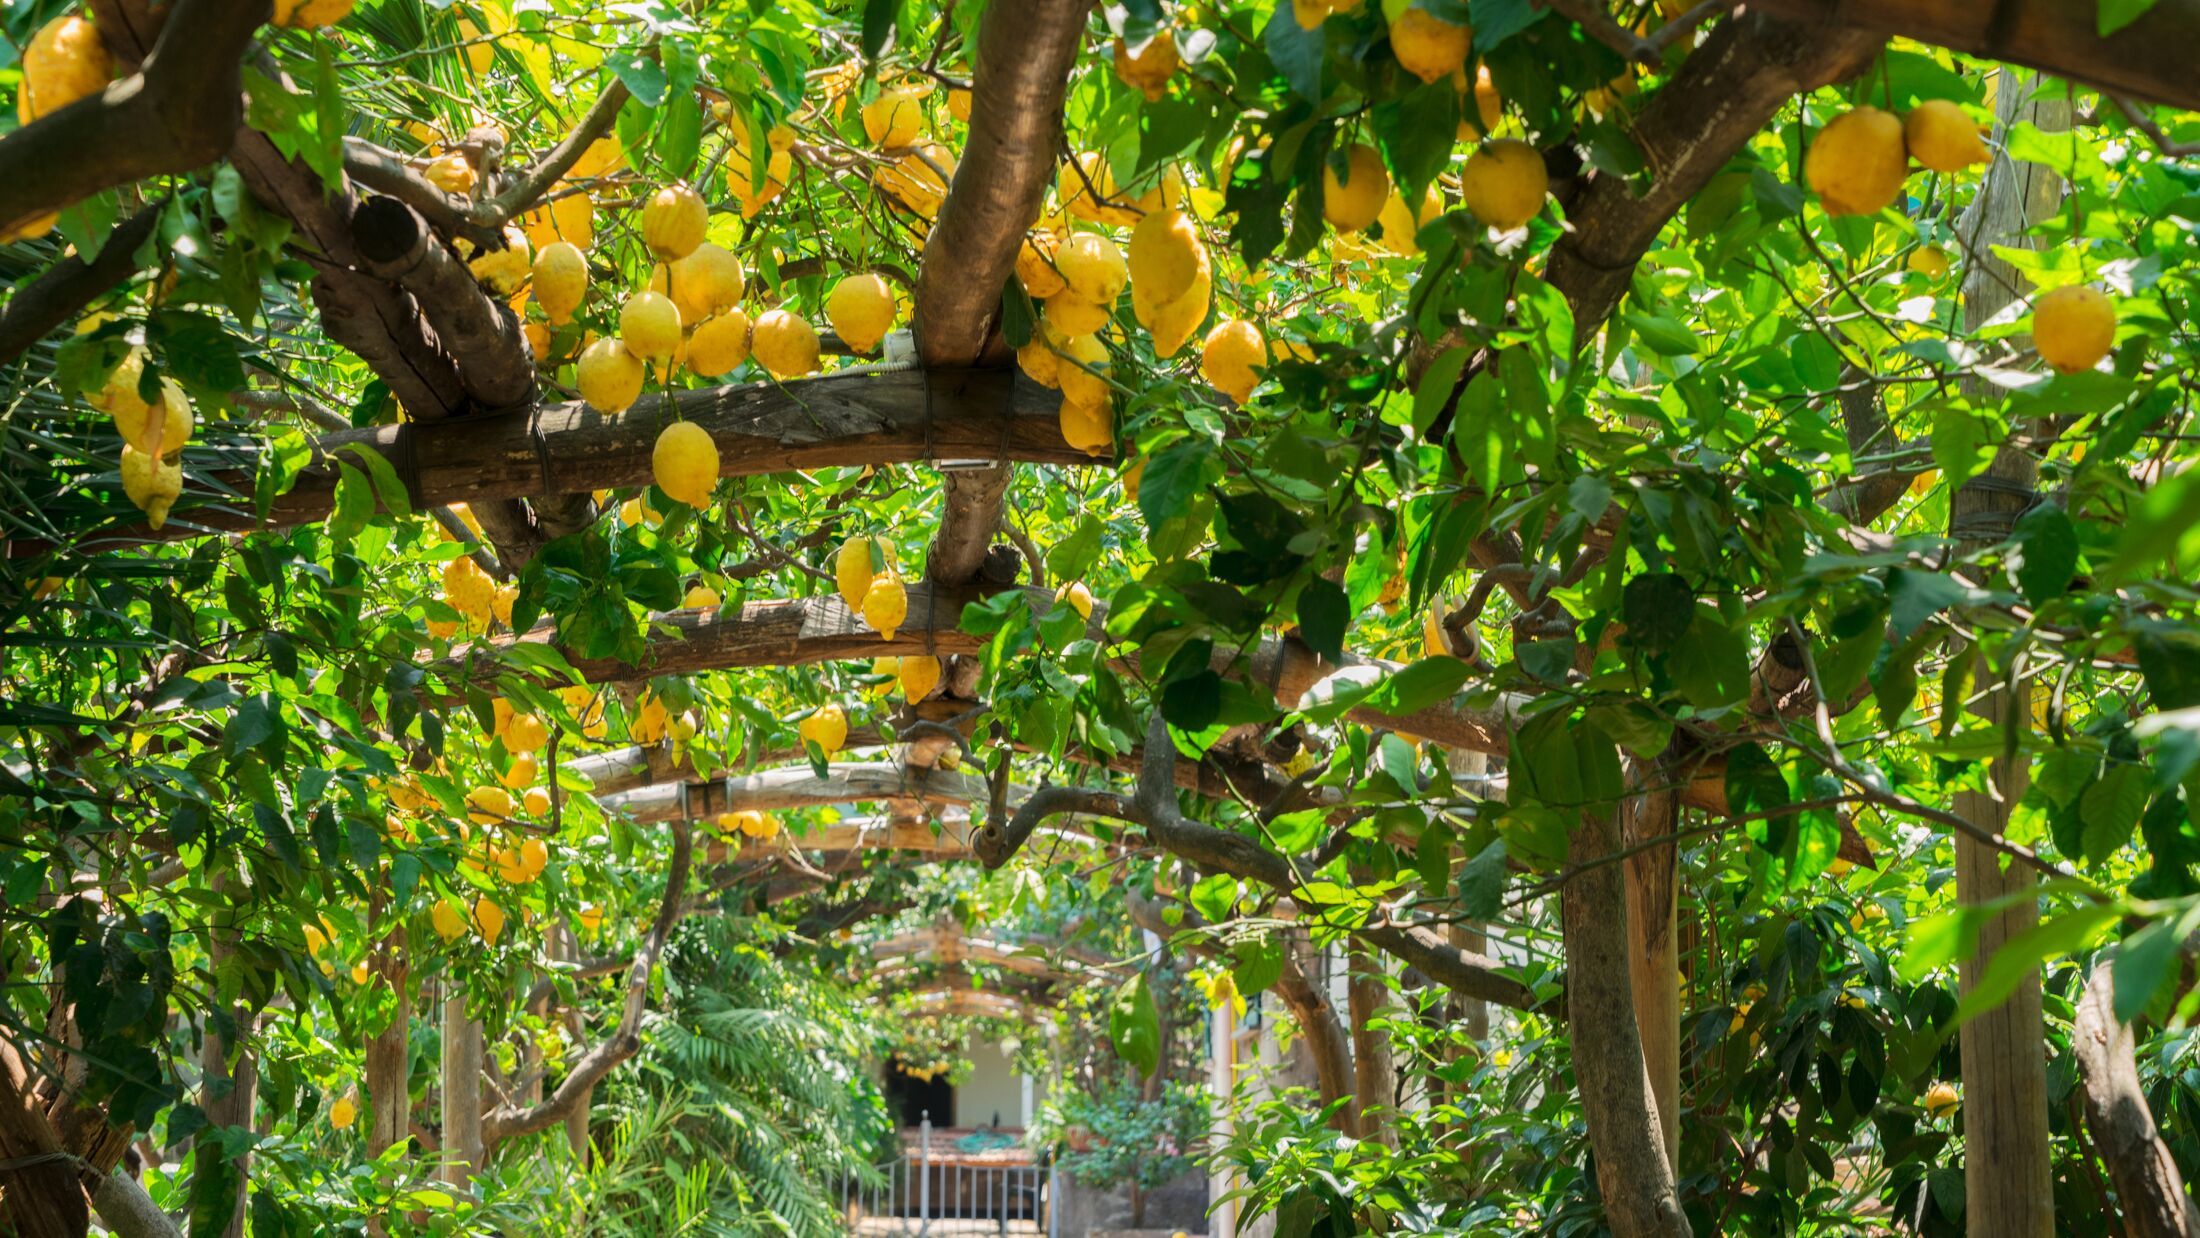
pixel 917 1196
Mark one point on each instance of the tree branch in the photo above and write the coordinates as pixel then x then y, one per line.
pixel 2149 1189
pixel 62 290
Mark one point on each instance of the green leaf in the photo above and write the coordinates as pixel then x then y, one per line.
pixel 197 350
pixel 879 17
pixel 1258 964
pixel 1416 687
pixel 1665 337
pixel 2164 522
pixel 1134 1025
pixel 1296 52
pixel 1214 895
pixel 1172 477
pixel 1657 608
pixel 1323 613
pixel 2143 964
pixel 387 487
pixel 1963 442
pixel 1071 557
pixel 643 75
pixel 1710 665
pixel 2111 809
pixel 2047 553
pixel 1437 382
pixel 354 504
pixel 2114 15
pixel 2025 953
pixel 1482 883
pixel 1753 783
pixel 1917 596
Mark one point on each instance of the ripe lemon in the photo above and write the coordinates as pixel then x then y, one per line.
pixel 784 343
pixel 1402 225
pixel 1433 642
pixel 861 309
pixel 527 733
pixel 503 270
pixel 891 669
pixel 740 821
pixel 674 222
pixel 1079 384
pixel 534 856
pixel 311 14
pixel 561 280
pixel 1939 135
pixel 1092 266
pixel 1166 254
pixel 1078 199
pixel 65 61
pixel 1037 360
pixel 859 560
pixel 826 727
pixel 519 774
pixel 1169 192
pixel 489 917
pixel 740 177
pixel 152 483
pixel 604 156
pixel 919 179
pixel 1489 108
pixel 649 326
pixel 708 281
pixel 685 463
pixel 453 174
pixel 510 868
pixel 2073 327
pixel 1148 71
pixel 488 805
pixel 719 345
pixel 1354 202
pixel 1131 477
pixel 536 802
pixel 701 597
pixel 1035 265
pixel 1857 162
pixel 1090 428
pixel 360 973
pixel 591 918
pixel 449 920
pixel 570 218
pixel 917 675
pixel 1068 314
pixel 1930 261
pixel 1427 46
pixel 609 377
pixel 1174 323
pixel 958 104
pixel 886 603
pixel 1232 357
pixel 895 119
pixel 651 721
pixel 1504 184
pixel 1941 1100
pixel 1078 596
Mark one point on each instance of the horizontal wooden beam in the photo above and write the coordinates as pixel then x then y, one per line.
pixel 800 787
pixel 852 418
pixel 2149 59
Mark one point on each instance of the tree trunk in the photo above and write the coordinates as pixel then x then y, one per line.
pixel 1374 1074
pixel 233 1106
pixel 461 1091
pixel 39 1198
pixel 128 1211
pixel 389 1052
pixel 1653 962
pixel 2149 1191
pixel 2008 1180
pixel 1622 1114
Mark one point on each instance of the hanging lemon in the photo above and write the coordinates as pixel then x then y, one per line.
pixel 719 344
pixel 1504 183
pixel 674 222
pixel 861 309
pixel 2073 327
pixel 561 280
pixel 886 603
pixel 784 343
pixel 685 463
pixel 609 377
pixel 1356 201
pixel 1856 163
pixel 917 674
pixel 826 727
pixel 1232 357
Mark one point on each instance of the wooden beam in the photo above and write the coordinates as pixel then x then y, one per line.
pixel 799 787
pixel 2149 59
pixel 855 417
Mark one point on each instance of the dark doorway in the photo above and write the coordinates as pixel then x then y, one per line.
pixel 912 1098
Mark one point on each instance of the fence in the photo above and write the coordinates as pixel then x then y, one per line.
pixel 939 1198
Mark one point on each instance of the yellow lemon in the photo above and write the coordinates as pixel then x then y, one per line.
pixel 649 326
pixel 527 733
pixel 453 174
pixel 1930 261
pixel 1856 163
pixel 534 856
pixel 710 280
pixel 719 344
pixel 152 483
pixel 1166 255
pixel 65 61
pixel 609 377
pixel 591 918
pixel 342 1113
pixel 489 917
pixel 1489 107
pixel 1096 201
pixel 861 309
pixel 894 119
pixel 1090 428
pixel 1080 384
pixel 1035 265
pixel 826 727
pixel 520 773
pixel 1093 267
pixel 1504 184
pixel 1068 314
pixel 1941 1100
pixel 449 920
pixel 674 222
pixel 860 559
pixel 1429 47
pixel 1173 323
pixel 918 675
pixel 536 802
pixel 784 343
pixel 2073 327
pixel 488 805
pixel 685 463
pixel 1149 70
pixel 886 603
pixel 701 597
pixel 570 216
pixel 1402 225
pixel 1078 596
pixel 1354 202
pixel 561 280
pixel 919 179
pixel 1939 135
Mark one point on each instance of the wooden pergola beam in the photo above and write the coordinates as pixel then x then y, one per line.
pixel 800 787
pixel 2149 59
pixel 852 418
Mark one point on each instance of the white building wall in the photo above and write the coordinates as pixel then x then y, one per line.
pixel 993 1087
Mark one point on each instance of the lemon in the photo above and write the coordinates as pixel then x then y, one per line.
pixel 519 774
pixel 918 675
pixel 1166 254
pixel 1131 477
pixel 152 483
pixel 919 179
pixel 784 343
pixel 1068 314
pixel 360 974
pixel 1035 265
pixel 674 222
pixel 489 917
pixel 1092 267
pixel 561 280
pixel 1429 47
pixel 886 603
pixel 1078 596
pixel 510 868
pixel 65 61
pixel 609 377
pixel 763 826
pixel 1169 192
pixel 453 174
pixel 740 177
pixel 853 567
pixel 488 805
pixel 649 326
pixel 1090 428
pixel 449 920
pixel 479 56
pixel 651 722
pixel 708 281
pixel 1402 225
pixel 502 271
pixel 342 1113
pixel 536 802
pixel 1079 384
pixel 1939 135
pixel 826 727
pixel 701 597
pixel 1036 359
pixel 958 104
pixel 1173 323
pixel 1941 1100
pixel 1504 184
pixel 1078 199
pixel 861 309
pixel 2073 327
pixel 1489 107
pixel 1149 70
pixel 1354 202
pixel 1930 261
pixel 570 218
pixel 534 856
pixel 719 345
pixel 591 918
pixel 526 734
pixel 685 463
pixel 1857 162
pixel 894 119
pixel 888 667
pixel 742 821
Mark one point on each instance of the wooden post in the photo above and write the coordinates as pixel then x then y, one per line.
pixel 1374 1073
pixel 232 1107
pixel 461 1090
pixel 2007 1173
pixel 1653 962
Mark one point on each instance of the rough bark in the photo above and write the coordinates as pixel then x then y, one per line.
pixel 1653 962
pixel 389 1054
pixel 62 290
pixel 2150 1192
pixel 1633 1174
pixel 39 1193
pixel 1319 1026
pixel 126 1210
pixel 2007 1168
pixel 179 112
pixel 2149 59
pixel 481 333
pixel 1374 1074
